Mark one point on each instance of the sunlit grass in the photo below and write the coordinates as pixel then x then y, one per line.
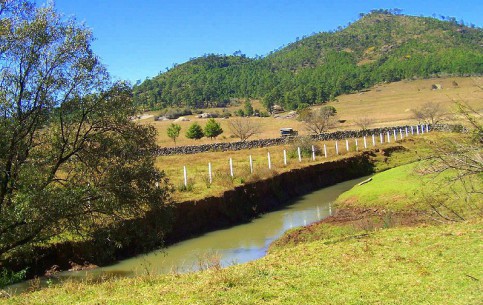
pixel 415 148
pixel 422 265
pixel 407 187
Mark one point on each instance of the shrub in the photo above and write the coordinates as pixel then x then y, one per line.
pixel 8 277
pixel 305 144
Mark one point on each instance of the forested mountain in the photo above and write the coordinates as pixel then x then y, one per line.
pixel 379 47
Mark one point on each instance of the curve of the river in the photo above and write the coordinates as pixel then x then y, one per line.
pixel 235 245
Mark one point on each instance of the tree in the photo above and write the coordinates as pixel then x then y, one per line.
pixel 194 131
pixel 173 131
pixel 248 111
pixel 70 158
pixel 364 122
pixel 212 129
pixel 318 121
pixel 244 128
pixel 462 159
pixel 429 113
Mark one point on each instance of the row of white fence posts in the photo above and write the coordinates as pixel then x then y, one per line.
pixel 419 130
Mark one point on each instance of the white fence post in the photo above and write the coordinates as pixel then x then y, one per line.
pixel 388 138
pixel 406 128
pixel 231 167
pixel 325 150
pixel 373 140
pixel 185 175
pixel 336 147
pixel 300 155
pixel 365 143
pixel 313 153
pixel 347 145
pixel 210 177
pixel 427 128
pixel 381 139
pixel 357 145
pixel 400 133
pixel 417 129
pixel 412 130
pixel 269 161
pixel 285 157
pixel 395 136
pixel 251 165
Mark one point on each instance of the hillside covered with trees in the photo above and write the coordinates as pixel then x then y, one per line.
pixel 382 46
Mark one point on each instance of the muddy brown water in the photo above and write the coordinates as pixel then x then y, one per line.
pixel 235 245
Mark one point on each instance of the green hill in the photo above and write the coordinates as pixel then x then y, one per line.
pixel 379 47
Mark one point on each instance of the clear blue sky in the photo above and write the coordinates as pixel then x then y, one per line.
pixel 138 39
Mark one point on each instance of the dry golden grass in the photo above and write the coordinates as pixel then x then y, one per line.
pixel 388 104
pixel 391 104
pixel 197 166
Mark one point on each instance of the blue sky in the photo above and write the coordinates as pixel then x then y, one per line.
pixel 139 39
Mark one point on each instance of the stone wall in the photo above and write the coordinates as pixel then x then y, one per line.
pixel 337 135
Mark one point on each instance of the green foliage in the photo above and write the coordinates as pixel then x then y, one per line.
pixel 173 131
pixel 329 110
pixel 212 129
pixel 195 132
pixel 305 144
pixel 174 113
pixel 240 112
pixel 70 158
pixel 10 277
pixel 381 46
pixel 248 108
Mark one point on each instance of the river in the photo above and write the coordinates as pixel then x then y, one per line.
pixel 235 245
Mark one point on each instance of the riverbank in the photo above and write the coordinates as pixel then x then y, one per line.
pixel 235 206
pixel 394 246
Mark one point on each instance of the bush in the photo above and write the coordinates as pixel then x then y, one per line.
pixel 174 113
pixel 8 277
pixel 225 114
pixel 305 144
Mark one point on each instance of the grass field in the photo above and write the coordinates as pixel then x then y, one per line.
pixel 419 265
pixel 327 263
pixel 333 263
pixel 197 164
pixel 388 104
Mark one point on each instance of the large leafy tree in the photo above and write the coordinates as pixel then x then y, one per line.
pixel 70 159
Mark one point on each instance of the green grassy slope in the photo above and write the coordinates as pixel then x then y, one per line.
pixel 423 265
